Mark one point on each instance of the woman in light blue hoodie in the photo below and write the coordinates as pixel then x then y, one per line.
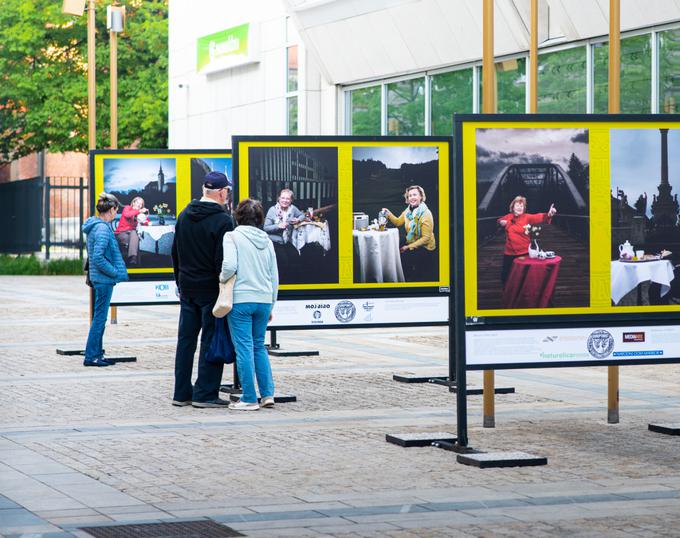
pixel 249 253
pixel 106 268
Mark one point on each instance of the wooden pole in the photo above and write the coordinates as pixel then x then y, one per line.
pixel 533 59
pixel 488 107
pixel 113 70
pixel 91 103
pixel 614 108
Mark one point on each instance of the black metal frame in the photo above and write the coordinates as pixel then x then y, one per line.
pixel 457 351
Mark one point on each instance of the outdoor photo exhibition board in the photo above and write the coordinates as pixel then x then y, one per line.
pixel 569 239
pixel 153 188
pixel 356 224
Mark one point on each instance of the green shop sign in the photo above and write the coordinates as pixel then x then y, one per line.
pixel 225 49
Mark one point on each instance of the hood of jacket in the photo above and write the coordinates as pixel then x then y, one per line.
pixel 257 237
pixel 91 223
pixel 197 210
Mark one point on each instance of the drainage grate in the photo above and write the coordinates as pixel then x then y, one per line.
pixel 185 529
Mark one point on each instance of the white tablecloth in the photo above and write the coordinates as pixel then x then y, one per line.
pixel 379 259
pixel 627 275
pixel 156 239
pixel 311 232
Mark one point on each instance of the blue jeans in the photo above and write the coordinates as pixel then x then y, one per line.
pixel 102 300
pixel 248 325
pixel 195 315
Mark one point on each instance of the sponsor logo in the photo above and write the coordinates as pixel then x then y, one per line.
pixel 161 290
pixel 550 338
pixel 564 355
pixel 345 311
pixel 634 337
pixel 312 306
pixel 368 307
pixel 600 344
pixel 649 353
pixel 317 316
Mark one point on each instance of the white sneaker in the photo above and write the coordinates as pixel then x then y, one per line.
pixel 267 401
pixel 244 406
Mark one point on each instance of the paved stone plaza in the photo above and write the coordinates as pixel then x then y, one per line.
pixel 85 446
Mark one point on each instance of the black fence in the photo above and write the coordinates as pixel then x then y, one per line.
pixel 21 208
pixel 65 210
pixel 43 216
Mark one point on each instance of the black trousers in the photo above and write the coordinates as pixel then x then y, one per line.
pixel 508 260
pixel 195 316
pixel 420 265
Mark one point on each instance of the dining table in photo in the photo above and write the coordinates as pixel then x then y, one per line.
pixel 156 239
pixel 378 256
pixel 307 232
pixel 627 276
pixel 531 283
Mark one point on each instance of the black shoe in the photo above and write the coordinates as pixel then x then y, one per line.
pixel 181 403
pixel 217 402
pixel 97 362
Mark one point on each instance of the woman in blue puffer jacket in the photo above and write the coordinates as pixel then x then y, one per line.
pixel 107 268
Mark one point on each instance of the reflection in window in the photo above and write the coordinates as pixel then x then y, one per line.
pixel 669 72
pixel 511 83
pixel 365 111
pixel 636 73
pixel 292 63
pixel 292 115
pixel 406 107
pixel 451 92
pixel 562 81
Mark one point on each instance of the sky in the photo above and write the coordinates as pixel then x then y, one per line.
pixel 636 162
pixel 499 147
pixel 221 164
pixel 126 174
pixel 395 156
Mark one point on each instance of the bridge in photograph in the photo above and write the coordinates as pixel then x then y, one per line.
pixel 568 235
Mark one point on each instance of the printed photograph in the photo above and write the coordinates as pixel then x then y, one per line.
pixel 298 187
pixel 645 181
pixel 533 218
pixel 200 167
pixel 395 218
pixel 145 224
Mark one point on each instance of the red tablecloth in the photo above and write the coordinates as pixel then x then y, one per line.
pixel 531 283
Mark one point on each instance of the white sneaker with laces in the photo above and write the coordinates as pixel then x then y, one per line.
pixel 267 401
pixel 244 406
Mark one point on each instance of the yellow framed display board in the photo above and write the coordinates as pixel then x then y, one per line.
pixel 568 238
pixel 338 212
pixel 153 187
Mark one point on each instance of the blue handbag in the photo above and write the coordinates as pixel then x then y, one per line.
pixel 221 348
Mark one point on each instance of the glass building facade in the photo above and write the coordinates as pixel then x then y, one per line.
pixel 572 78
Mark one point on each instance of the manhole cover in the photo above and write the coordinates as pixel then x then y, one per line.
pixel 185 529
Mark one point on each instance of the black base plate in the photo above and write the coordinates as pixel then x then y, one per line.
pixel 70 351
pixel 229 387
pixel 278 398
pixel 280 353
pixel 419 439
pixel 417 379
pixel 496 390
pixel 121 359
pixel 668 429
pixel 485 460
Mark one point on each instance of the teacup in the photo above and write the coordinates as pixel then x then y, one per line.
pixel 549 253
pixel 639 254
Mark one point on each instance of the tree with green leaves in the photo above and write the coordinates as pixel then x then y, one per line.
pixel 43 77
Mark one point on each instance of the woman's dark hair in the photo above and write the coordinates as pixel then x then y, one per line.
pixel 106 202
pixel 249 212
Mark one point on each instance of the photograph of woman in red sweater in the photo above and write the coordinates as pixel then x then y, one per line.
pixel 516 239
pixel 126 232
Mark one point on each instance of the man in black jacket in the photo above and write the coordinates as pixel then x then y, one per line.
pixel 197 262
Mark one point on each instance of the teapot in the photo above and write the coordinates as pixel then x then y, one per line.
pixel 626 250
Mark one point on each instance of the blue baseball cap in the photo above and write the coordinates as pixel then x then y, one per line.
pixel 215 180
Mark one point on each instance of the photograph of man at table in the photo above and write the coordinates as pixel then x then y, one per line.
pixel 523 177
pixel 290 181
pixel 645 180
pixel 405 181
pixel 149 182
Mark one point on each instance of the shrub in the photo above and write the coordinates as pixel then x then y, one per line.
pixel 30 265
